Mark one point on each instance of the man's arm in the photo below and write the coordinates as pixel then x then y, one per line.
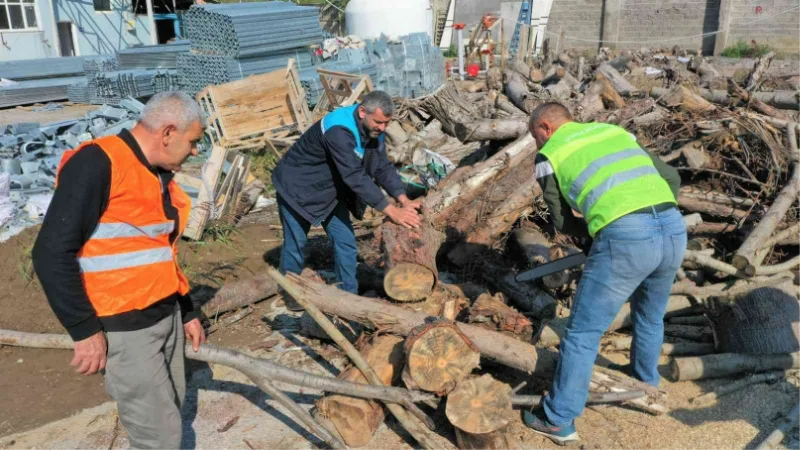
pixel 340 144
pixel 668 173
pixel 78 203
pixel 560 210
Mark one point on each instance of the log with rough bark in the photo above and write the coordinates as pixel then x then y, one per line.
pixel 539 250
pixel 550 332
pixel 491 130
pixel 728 364
pixel 710 208
pixel 462 186
pixel 610 96
pixel 394 319
pixel 621 85
pixel 502 439
pixel 438 357
pixel 517 91
pixel 357 419
pixel 479 405
pixel 689 320
pixel 706 71
pixel 447 105
pixel 681 96
pixel 779 99
pixel 716 197
pixel 726 389
pixel 745 255
pixel 494 79
pixel 492 313
pixel 749 99
pixel 591 104
pixel 240 293
pixel 761 65
pixel 497 223
pixel 669 349
pixel 410 258
pixel 525 296
pixel 350 329
pixel 504 104
pixel 690 332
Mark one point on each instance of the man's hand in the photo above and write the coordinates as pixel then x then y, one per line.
pixel 406 203
pixel 90 354
pixel 406 216
pixel 195 333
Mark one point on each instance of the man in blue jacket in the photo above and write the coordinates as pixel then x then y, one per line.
pixel 331 171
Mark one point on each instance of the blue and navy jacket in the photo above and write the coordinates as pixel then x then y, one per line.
pixel 336 161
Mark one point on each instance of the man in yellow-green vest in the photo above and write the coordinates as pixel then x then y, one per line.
pixel 627 199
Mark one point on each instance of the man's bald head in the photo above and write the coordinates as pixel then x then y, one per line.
pixel 546 119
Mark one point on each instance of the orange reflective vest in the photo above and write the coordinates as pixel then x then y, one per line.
pixel 128 262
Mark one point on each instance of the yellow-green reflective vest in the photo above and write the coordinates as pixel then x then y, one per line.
pixel 603 173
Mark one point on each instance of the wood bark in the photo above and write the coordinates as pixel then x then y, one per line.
pixel 611 98
pixel 788 196
pixel 502 349
pixel 350 329
pixel 681 96
pixel 438 357
pixel 479 405
pixel 492 313
pixel 706 71
pixel 539 250
pixel 494 79
pixel 491 130
pixel 761 65
pixel 461 187
pixel 498 222
pixel 669 349
pixel 239 293
pixel 728 364
pixel 521 68
pixel 504 104
pixel 710 208
pixel 450 108
pixel 525 296
pixel 725 389
pixel 357 419
pixel 689 332
pixel 689 320
pixel 410 258
pixel 716 197
pixel 749 99
pixel 621 85
pixel 517 91
pixel 502 439
pixel 779 99
pixel 591 104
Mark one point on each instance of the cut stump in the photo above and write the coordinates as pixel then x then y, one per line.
pixel 410 257
pixel 501 439
pixel 479 405
pixel 438 357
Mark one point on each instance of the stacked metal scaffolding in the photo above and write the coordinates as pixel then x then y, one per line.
pixel 36 91
pixel 152 56
pixel 409 67
pixel 232 41
pixel 34 69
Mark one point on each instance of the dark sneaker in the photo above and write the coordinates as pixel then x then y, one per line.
pixel 537 422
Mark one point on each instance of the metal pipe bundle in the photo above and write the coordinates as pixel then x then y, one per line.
pixel 152 56
pixel 34 69
pixel 35 91
pixel 252 29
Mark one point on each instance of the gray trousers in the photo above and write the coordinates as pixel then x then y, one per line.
pixel 144 375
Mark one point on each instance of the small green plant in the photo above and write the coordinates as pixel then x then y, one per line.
pixel 221 231
pixel 744 49
pixel 451 52
pixel 25 265
pixel 261 166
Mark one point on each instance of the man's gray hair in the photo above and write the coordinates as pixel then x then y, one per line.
pixel 171 108
pixel 378 99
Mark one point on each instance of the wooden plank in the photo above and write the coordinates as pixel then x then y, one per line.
pixel 210 176
pixel 188 180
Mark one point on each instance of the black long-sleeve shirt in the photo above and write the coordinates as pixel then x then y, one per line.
pixel 561 212
pixel 321 169
pixel 84 186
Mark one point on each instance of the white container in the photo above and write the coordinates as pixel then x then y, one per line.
pixel 368 19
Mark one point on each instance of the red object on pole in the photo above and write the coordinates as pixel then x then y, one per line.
pixel 459 26
pixel 473 69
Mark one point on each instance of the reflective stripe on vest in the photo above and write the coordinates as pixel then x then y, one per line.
pixel 120 230
pixel 125 260
pixel 603 173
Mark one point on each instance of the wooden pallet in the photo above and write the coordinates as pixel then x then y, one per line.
pixel 341 89
pixel 241 114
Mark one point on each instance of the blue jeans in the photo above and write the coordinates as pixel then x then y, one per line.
pixel 636 257
pixel 340 232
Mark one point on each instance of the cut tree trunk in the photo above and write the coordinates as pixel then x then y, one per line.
pixel 779 99
pixel 525 296
pixel 681 96
pixel 748 98
pixel 461 187
pixel 621 85
pixel 502 439
pixel 517 91
pixel 450 108
pixel 438 357
pixel 479 405
pixel 690 332
pixel 610 96
pixel 502 349
pixel 591 104
pixel 497 223
pixel 357 419
pixel 491 130
pixel 744 257
pixel 240 293
pixel 504 104
pixel 710 208
pixel 706 71
pixel 539 250
pixel 410 258
pixel 492 313
pixel 494 79
pixel 674 349
pixel 729 364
